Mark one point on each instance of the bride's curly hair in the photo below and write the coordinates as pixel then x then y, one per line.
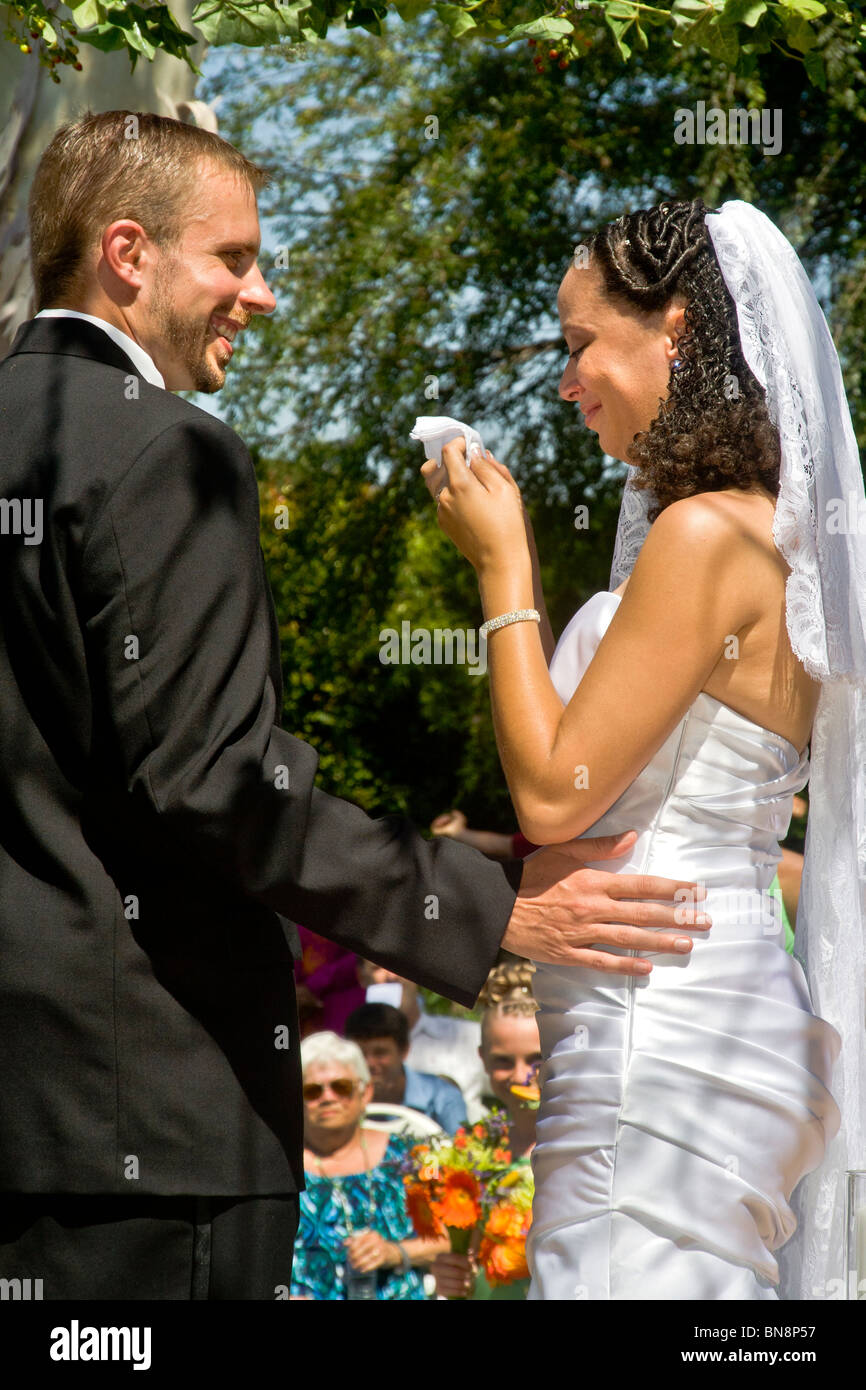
pixel 714 430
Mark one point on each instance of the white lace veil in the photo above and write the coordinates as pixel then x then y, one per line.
pixel 820 529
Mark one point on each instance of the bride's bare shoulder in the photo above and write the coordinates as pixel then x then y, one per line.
pixel 719 527
pixel 727 502
pixel 711 516
pixel 743 519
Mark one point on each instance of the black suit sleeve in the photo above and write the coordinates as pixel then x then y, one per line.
pixel 180 649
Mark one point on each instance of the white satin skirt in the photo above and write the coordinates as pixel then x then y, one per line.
pixel 678 1113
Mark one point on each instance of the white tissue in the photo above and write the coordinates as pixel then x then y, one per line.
pixel 434 431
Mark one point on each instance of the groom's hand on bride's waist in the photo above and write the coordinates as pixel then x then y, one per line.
pixel 563 910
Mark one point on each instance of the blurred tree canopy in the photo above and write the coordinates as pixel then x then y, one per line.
pixel 425 201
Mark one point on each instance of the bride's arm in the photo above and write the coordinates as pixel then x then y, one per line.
pixel 689 592
pixel 548 641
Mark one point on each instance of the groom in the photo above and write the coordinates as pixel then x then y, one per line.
pixel 159 832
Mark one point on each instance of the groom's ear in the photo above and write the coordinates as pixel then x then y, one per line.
pixel 126 248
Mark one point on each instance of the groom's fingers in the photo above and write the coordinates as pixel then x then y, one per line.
pixel 612 965
pixel 686 910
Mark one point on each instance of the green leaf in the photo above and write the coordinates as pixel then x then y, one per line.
pixel 86 12
pixel 809 9
pixel 105 37
pixel 454 18
pixel 814 65
pixel 252 25
pixel 410 9
pixel 800 35
pixel 688 13
pixel 619 27
pixel 704 26
pixel 547 27
pixel 720 42
pixel 318 20
pixel 746 12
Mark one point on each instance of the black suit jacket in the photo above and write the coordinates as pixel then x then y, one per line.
pixel 156 824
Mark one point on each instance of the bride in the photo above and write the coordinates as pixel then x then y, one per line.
pixel 681 1110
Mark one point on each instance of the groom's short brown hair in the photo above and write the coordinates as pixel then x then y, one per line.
pixel 112 165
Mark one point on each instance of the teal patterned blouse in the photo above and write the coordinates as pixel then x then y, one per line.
pixel 375 1200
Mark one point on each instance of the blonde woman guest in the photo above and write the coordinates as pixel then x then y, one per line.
pixel 511 1052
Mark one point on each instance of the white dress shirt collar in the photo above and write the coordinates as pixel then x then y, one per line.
pixel 141 359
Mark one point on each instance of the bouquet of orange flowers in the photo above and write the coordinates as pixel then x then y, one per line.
pixel 466 1188
pixel 503 1243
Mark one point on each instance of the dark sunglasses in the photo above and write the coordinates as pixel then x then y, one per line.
pixel 342 1087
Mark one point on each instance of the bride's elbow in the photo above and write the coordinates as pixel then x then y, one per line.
pixel 552 824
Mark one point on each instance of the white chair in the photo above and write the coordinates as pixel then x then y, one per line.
pixel 400 1119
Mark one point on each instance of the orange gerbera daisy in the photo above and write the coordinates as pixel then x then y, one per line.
pixel 458 1204
pixel 421 1213
pixel 503 1261
pixel 507 1222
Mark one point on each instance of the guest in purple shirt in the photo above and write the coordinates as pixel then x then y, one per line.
pixel 326 983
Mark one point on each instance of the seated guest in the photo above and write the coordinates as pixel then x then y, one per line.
pixel 382 1033
pixel 438 1043
pixel 355 1237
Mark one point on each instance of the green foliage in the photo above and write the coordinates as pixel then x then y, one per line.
pixel 49 31
pixel 736 33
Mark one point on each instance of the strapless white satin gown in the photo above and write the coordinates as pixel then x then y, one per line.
pixel 680 1111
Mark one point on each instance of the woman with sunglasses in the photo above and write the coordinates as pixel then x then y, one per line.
pixel 355 1238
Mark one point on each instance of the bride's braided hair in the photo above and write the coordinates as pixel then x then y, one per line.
pixel 714 430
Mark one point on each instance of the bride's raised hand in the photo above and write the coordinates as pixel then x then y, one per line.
pixel 479 508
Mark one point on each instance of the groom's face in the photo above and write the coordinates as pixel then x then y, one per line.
pixel 204 290
pixel 619 361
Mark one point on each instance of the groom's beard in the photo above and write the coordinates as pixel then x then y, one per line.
pixel 186 335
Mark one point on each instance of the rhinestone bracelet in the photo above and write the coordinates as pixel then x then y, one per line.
pixel 518 616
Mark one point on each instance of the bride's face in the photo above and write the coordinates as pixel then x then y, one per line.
pixel 619 358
